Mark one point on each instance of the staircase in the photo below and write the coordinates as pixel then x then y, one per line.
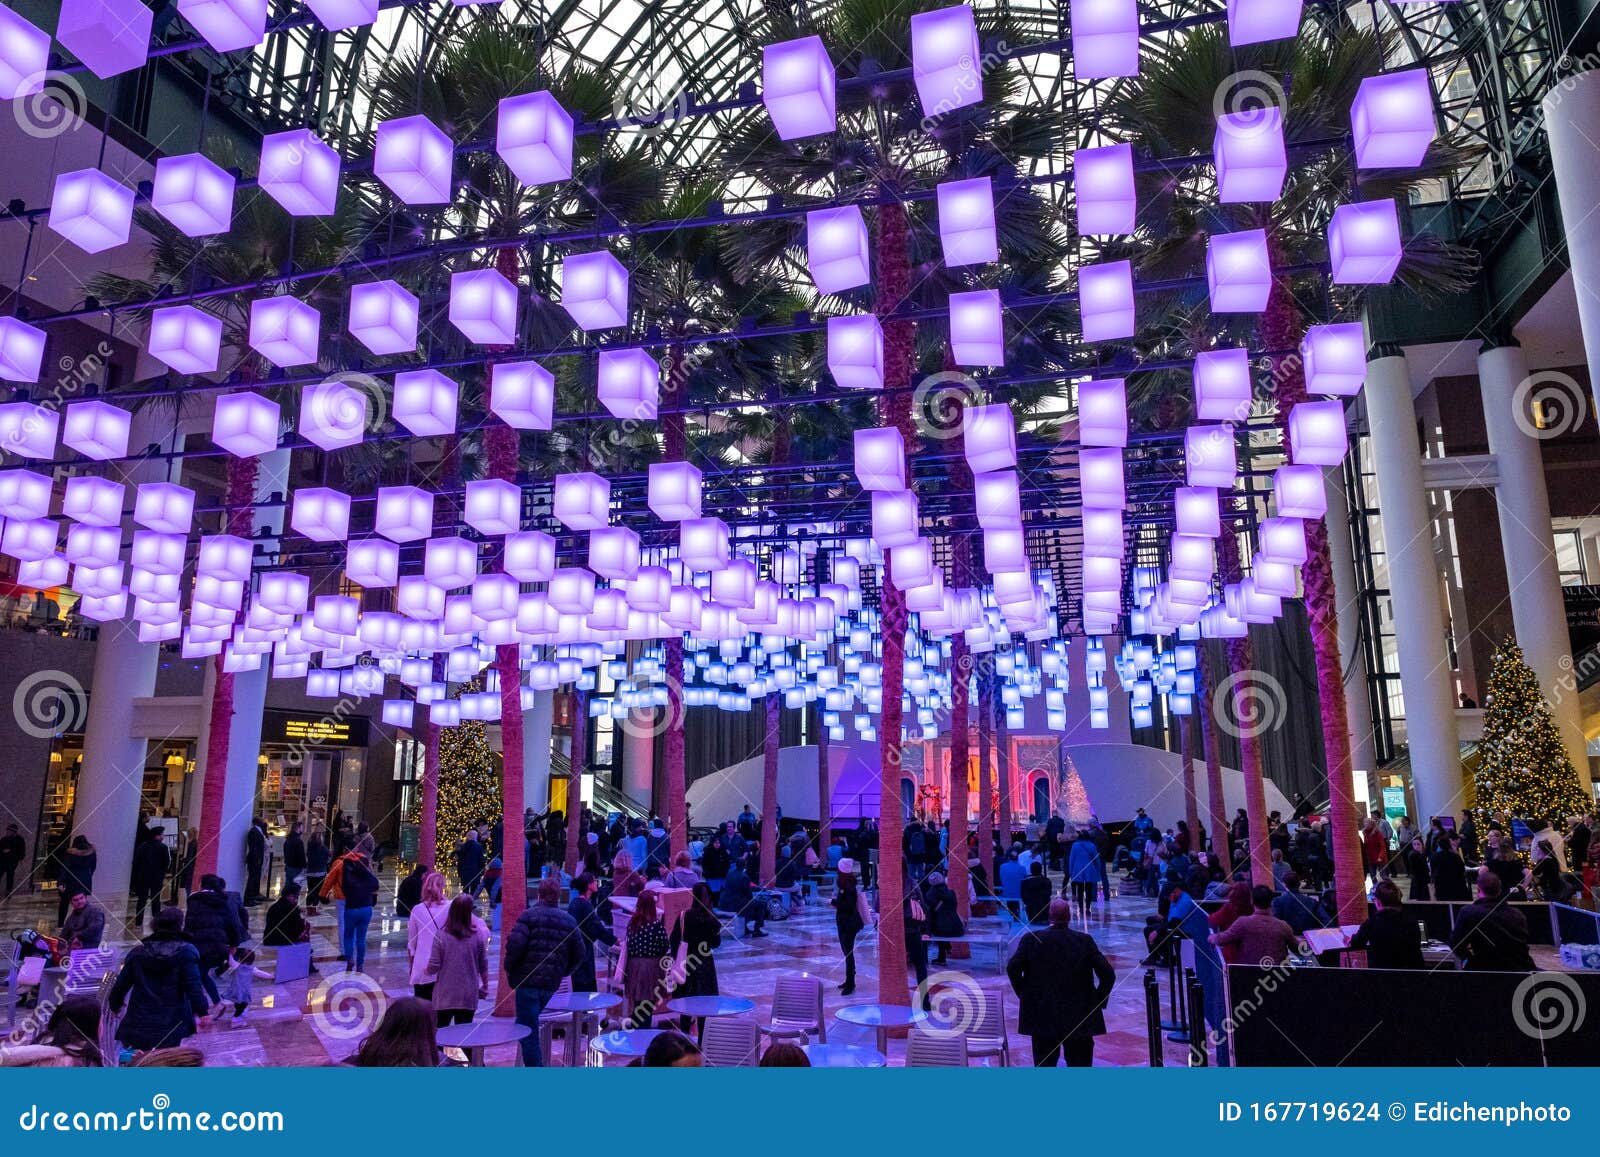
pixel 607 799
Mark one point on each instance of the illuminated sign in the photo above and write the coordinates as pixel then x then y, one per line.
pixel 299 729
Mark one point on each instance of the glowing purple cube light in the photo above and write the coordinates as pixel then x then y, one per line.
pixel 21 350
pixel 109 36
pixel 333 415
pixel 425 402
pixel 414 157
pixel 530 556
pixel 1335 358
pixel 1283 540
pixel 594 290
pixel 1192 558
pixel 403 513
pixel 997 500
pixel 1105 300
pixel 1105 38
pixel 1102 533
pixel 1257 21
pixel 450 563
pixel 1250 156
pixel 966 222
pixel 533 136
pixel 1364 243
pixel 1222 385
pixel 91 210
pixel 372 562
pixel 989 434
pixel 582 501
pixel 300 172
pixel 225 557
pixel 836 248
pixel 284 330
pixel 24 494
pixel 1100 478
pixel 29 539
pixel 894 518
pixel 1102 181
pixel 1195 511
pixel 194 193
pixel 1103 413
pixel 880 459
pixel 494 506
pixel 27 430
pixel 337 15
pixel 1239 271
pixel 96 429
pixel 1210 457
pixel 1299 492
pixel 321 513
pixel 855 351
pixel 702 544
pixel 90 500
pixel 383 317
pixel 522 395
pixel 629 384
pixel 245 424
pixel 977 328
pixel 483 306
pixel 1393 120
pixel 797 87
pixel 1317 434
pixel 674 491
pixel 164 507
pixel 946 59
pixel 24 56
pixel 227 25
pixel 614 552
pixel 185 338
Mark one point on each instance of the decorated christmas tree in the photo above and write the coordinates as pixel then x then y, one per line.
pixel 1069 798
pixel 469 783
pixel 1524 772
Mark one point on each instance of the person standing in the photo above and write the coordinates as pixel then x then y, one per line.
pixel 151 860
pixel 161 983
pixel 12 852
pixel 187 855
pixel 360 895
pixel 76 875
pixel 427 920
pixel 458 964
pixel 1262 937
pixel 1449 871
pixel 647 955
pixel 541 950
pixel 294 855
pixel 1417 868
pixel 213 927
pixel 317 861
pixel 850 915
pixel 1578 841
pixel 1083 870
pixel 255 857
pixel 1063 983
pixel 585 886
pixel 470 863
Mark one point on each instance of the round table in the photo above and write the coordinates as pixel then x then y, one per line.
pixel 481 1034
pixel 625 1042
pixel 701 1007
pixel 580 1005
pixel 844 1057
pixel 881 1017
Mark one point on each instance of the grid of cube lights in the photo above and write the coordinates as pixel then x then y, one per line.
pixel 749 636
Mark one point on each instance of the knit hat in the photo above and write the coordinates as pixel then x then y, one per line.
pixel 847 867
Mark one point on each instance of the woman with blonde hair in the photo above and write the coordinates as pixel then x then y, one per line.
pixel 427 920
pixel 625 880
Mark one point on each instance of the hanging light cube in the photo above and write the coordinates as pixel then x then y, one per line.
pixel 837 249
pixel 614 552
pixel 703 544
pixel 90 500
pixel 227 25
pixel 44 573
pixel 383 317
pixel 1283 540
pixel 185 338
pixel 164 506
pixel 945 56
pixel 96 429
pixel 414 158
pixel 1257 21
pixel 193 193
pixel 522 395
pixel 650 589
pixel 1105 38
pixel 572 591
pixel 911 565
pixel 1251 159
pixel 582 501
pixel 321 513
pixel 894 518
pixel 494 506
pixel 24 56
pixel 977 328
pixel 1335 359
pixel 398 713
pixel 1105 300
pixel 1102 182
pixel 450 563
pixel 1393 120
pixel 1239 271
pixel 1364 243
pixel 1103 413
pixel 403 513
pixel 628 384
pixel 225 557
pixel 284 330
pixel 855 351
pixel 90 209
pixel 1102 576
pixel 109 36
pixel 530 556
pixel 372 562
pixel 1223 388
pixel 1317 434
pixel 1210 456
pixel 966 222
pixel 1101 478
pixel 797 87
pixel 416 598
pixel 990 437
pixel 1192 558
pixel 283 592
pixel 674 490
pixel 333 415
pixel 997 500
pixel 337 15
pixel 29 539
pixel 880 459
pixel 425 402
pixel 594 290
pixel 27 430
pixel 21 350
pixel 533 136
pixel 1298 492
pixel 300 172
pixel 483 306
pixel 25 494
pixel 1102 533
pixel 1195 511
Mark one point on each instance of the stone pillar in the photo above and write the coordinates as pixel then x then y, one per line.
pixel 1352 659
pixel 1532 577
pixel 536 722
pixel 1425 673
pixel 1571 111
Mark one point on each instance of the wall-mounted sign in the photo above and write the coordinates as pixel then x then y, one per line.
pixel 301 729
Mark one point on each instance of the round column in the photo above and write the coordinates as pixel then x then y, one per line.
pixel 1425 672
pixel 536 724
pixel 1538 609
pixel 1353 660
pixel 1571 112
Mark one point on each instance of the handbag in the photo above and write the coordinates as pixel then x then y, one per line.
pixel 678 970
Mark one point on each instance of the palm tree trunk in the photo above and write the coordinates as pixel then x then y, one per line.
pixel 1216 807
pixel 428 821
pixel 1242 663
pixel 502 447
pixel 1005 770
pixel 986 773
pixel 769 789
pixel 579 764
pixel 675 434
pixel 1187 727
pixel 960 694
pixel 824 791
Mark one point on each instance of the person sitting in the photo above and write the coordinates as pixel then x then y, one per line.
pixel 1036 891
pixel 286 924
pixel 944 917
pixel 682 873
pixel 738 897
pixel 1390 937
pixel 85 925
pixel 1262 937
pixel 1011 873
pixel 1297 909
pixel 671 1050
pixel 1489 935
pixel 784 1055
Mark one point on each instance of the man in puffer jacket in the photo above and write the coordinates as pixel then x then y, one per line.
pixel 213 926
pixel 542 949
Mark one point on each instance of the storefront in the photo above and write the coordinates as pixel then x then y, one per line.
pixel 168 774
pixel 312 768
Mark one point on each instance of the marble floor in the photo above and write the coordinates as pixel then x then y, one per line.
pixel 321 1020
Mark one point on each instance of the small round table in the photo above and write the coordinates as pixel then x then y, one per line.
pixel 626 1042
pixel 824 1056
pixel 482 1034
pixel 580 1005
pixel 702 1007
pixel 881 1017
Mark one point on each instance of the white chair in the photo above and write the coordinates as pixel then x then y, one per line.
pixel 87 967
pixel 988 1037
pixel 797 1010
pixel 926 1049
pixel 731 1042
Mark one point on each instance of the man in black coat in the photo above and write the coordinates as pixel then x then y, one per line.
pixel 213 926
pixel 12 852
pixel 1578 843
pixel 542 949
pixel 151 860
pixel 591 926
pixel 255 857
pixel 1449 870
pixel 1036 891
pixel 1490 935
pixel 1062 982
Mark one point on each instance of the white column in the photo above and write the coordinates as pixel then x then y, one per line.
pixel 1532 577
pixel 1357 699
pixel 112 775
pixel 536 722
pixel 1425 680
pixel 1571 112
pixel 639 757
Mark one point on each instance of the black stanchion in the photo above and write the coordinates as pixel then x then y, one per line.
pixel 1177 999
pixel 1196 1001
pixel 1152 1018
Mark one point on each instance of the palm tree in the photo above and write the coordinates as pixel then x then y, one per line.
pixel 1168 110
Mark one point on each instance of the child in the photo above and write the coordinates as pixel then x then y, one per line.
pixel 234 982
pixel 491 880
